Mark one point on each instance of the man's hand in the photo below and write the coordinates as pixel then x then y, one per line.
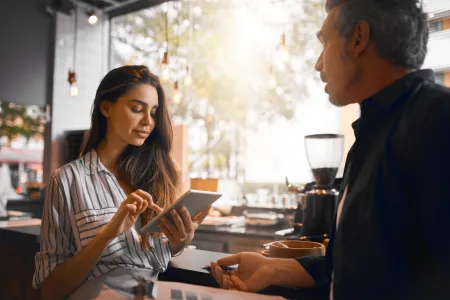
pixel 254 273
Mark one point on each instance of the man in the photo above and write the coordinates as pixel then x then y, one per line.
pixel 390 239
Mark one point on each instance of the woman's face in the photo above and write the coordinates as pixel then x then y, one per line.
pixel 132 118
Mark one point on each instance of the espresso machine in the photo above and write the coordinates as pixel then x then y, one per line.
pixel 317 201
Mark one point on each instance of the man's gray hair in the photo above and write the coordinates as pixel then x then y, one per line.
pixel 398 28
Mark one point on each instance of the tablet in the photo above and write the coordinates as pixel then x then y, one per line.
pixel 194 201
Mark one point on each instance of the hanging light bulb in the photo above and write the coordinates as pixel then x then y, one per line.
pixel 176 93
pixel 187 78
pixel 72 76
pixel 73 84
pixel 272 79
pixel 165 71
pixel 48 116
pixel 92 18
pixel 74 90
pixel 282 48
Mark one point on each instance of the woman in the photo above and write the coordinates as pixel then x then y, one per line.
pixel 96 204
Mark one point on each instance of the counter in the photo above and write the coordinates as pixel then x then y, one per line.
pixel 247 231
pixel 228 239
pixel 19 242
pixel 187 268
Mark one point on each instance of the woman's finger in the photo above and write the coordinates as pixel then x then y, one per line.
pixel 167 233
pixel 144 195
pixel 149 198
pixel 198 218
pixel 135 198
pixel 186 217
pixel 156 208
pixel 129 208
pixel 143 208
pixel 170 227
pixel 178 223
pixel 151 204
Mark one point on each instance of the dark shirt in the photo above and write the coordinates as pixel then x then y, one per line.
pixel 393 238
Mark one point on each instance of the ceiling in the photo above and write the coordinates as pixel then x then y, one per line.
pixel 108 4
pixel 115 7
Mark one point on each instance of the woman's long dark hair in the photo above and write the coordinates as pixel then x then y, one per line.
pixel 149 167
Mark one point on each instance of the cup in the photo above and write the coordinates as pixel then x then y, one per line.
pixel 294 248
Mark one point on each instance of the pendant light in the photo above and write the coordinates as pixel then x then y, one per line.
pixel 72 75
pixel 188 77
pixel 272 84
pixel 165 70
pixel 176 93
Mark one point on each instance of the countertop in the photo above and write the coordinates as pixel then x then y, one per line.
pixel 32 226
pixel 186 268
pixel 263 232
pixel 26 226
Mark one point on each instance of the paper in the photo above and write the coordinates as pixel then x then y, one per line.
pixel 181 291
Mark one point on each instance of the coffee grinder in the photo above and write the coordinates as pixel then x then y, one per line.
pixel 318 202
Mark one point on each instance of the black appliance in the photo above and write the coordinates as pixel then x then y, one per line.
pixel 317 201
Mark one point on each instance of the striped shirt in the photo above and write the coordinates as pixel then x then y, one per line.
pixel 81 198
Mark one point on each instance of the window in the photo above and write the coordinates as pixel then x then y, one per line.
pixel 252 93
pixel 435 26
pixel 21 148
pixel 439 76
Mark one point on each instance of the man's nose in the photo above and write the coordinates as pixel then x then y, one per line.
pixel 319 63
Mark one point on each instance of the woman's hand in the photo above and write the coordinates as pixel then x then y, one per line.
pixel 127 214
pixel 181 232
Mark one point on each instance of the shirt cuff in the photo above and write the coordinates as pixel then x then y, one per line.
pixel 316 266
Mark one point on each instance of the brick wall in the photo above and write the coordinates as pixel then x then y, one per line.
pixel 446 26
pixel 447 79
pixel 72 113
pixel 446 23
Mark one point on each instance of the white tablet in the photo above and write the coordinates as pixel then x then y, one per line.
pixel 194 201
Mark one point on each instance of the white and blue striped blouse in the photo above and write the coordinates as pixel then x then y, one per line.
pixel 83 196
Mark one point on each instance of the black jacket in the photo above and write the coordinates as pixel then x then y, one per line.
pixel 392 240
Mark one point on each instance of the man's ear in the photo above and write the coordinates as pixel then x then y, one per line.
pixel 361 37
pixel 105 108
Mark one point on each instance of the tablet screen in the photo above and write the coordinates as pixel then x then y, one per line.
pixel 194 201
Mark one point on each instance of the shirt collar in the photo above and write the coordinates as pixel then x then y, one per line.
pixel 385 98
pixel 92 162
